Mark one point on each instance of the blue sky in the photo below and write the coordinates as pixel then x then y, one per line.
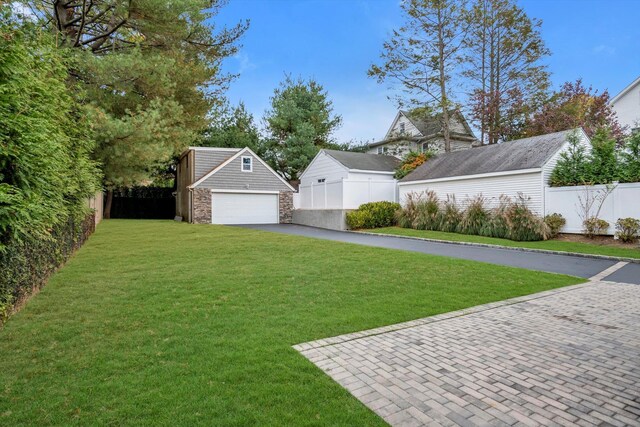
pixel 335 41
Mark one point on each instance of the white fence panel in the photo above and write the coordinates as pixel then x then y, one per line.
pixel 296 201
pixel 622 202
pixel 334 195
pixel 358 192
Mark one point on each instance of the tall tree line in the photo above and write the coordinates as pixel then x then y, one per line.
pixel 488 53
pixel 149 73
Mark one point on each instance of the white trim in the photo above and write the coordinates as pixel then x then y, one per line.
pixel 395 119
pixel 624 91
pixel 316 158
pixel 242 169
pixel 372 172
pixel 235 156
pixel 233 150
pixel 245 191
pixel 480 175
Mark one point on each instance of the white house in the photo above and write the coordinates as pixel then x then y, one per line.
pixel 626 105
pixel 345 180
pixel 522 166
pixel 420 132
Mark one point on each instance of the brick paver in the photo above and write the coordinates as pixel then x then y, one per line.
pixel 564 357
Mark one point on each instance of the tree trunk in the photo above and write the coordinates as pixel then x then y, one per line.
pixel 444 102
pixel 107 205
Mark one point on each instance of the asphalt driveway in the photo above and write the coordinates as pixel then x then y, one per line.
pixel 564 264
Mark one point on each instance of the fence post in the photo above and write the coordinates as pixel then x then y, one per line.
pixel 325 194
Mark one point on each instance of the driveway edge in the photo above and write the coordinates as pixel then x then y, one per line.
pixel 311 345
pixel 514 248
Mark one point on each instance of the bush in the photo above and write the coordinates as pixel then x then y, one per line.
pixel 523 224
pixel 475 217
pixel 373 215
pixel 594 226
pixel 427 212
pixel 509 220
pixel 410 162
pixel 26 265
pixel 627 229
pixel 630 159
pixel 405 215
pixel 555 222
pixel 451 215
pixel 497 225
pixel 46 171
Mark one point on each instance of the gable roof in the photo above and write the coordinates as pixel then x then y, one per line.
pixel 364 161
pixel 230 159
pixel 624 91
pixel 527 153
pixel 429 127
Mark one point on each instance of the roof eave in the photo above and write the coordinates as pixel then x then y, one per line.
pixel 405 181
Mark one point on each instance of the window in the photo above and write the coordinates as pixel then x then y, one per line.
pixel 402 127
pixel 321 180
pixel 247 164
pixel 382 150
pixel 425 147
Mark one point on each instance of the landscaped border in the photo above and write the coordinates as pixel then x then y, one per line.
pixel 516 248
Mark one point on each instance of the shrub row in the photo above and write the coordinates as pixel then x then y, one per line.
pixel 27 264
pixel 510 219
pixel 373 215
pixel 604 163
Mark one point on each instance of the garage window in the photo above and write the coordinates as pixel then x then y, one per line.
pixel 247 164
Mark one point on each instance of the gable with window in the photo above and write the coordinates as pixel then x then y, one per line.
pixel 247 164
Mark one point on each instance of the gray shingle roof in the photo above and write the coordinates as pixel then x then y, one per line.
pixel 527 153
pixel 427 125
pixel 363 161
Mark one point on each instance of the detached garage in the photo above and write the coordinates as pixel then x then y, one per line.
pixel 521 166
pixel 230 186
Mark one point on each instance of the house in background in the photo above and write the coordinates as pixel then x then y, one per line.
pixel 230 186
pixel 520 166
pixel 626 105
pixel 336 181
pixel 419 133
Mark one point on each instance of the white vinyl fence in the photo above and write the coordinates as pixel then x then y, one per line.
pixel 608 203
pixel 345 193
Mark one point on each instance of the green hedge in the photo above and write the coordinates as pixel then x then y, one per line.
pixel 373 215
pixel 25 265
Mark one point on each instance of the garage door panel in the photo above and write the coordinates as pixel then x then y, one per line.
pixel 244 208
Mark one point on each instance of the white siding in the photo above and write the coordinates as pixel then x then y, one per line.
pixel 323 167
pixel 373 176
pixel 530 184
pixel 627 107
pixel 409 128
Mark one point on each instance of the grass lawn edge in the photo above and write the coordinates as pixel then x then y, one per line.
pixel 491 245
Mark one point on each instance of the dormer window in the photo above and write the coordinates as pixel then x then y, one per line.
pixel 247 164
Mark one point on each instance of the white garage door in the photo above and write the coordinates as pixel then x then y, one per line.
pixel 244 208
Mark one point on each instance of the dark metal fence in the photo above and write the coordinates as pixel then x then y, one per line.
pixel 144 203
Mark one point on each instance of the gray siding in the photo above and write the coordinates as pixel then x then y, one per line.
pixel 231 177
pixel 206 160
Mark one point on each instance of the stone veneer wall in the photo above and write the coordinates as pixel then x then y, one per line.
pixel 286 206
pixel 201 206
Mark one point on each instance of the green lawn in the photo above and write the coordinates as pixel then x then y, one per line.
pixel 163 323
pixel 552 245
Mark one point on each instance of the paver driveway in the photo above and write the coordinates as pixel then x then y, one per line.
pixel 564 357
